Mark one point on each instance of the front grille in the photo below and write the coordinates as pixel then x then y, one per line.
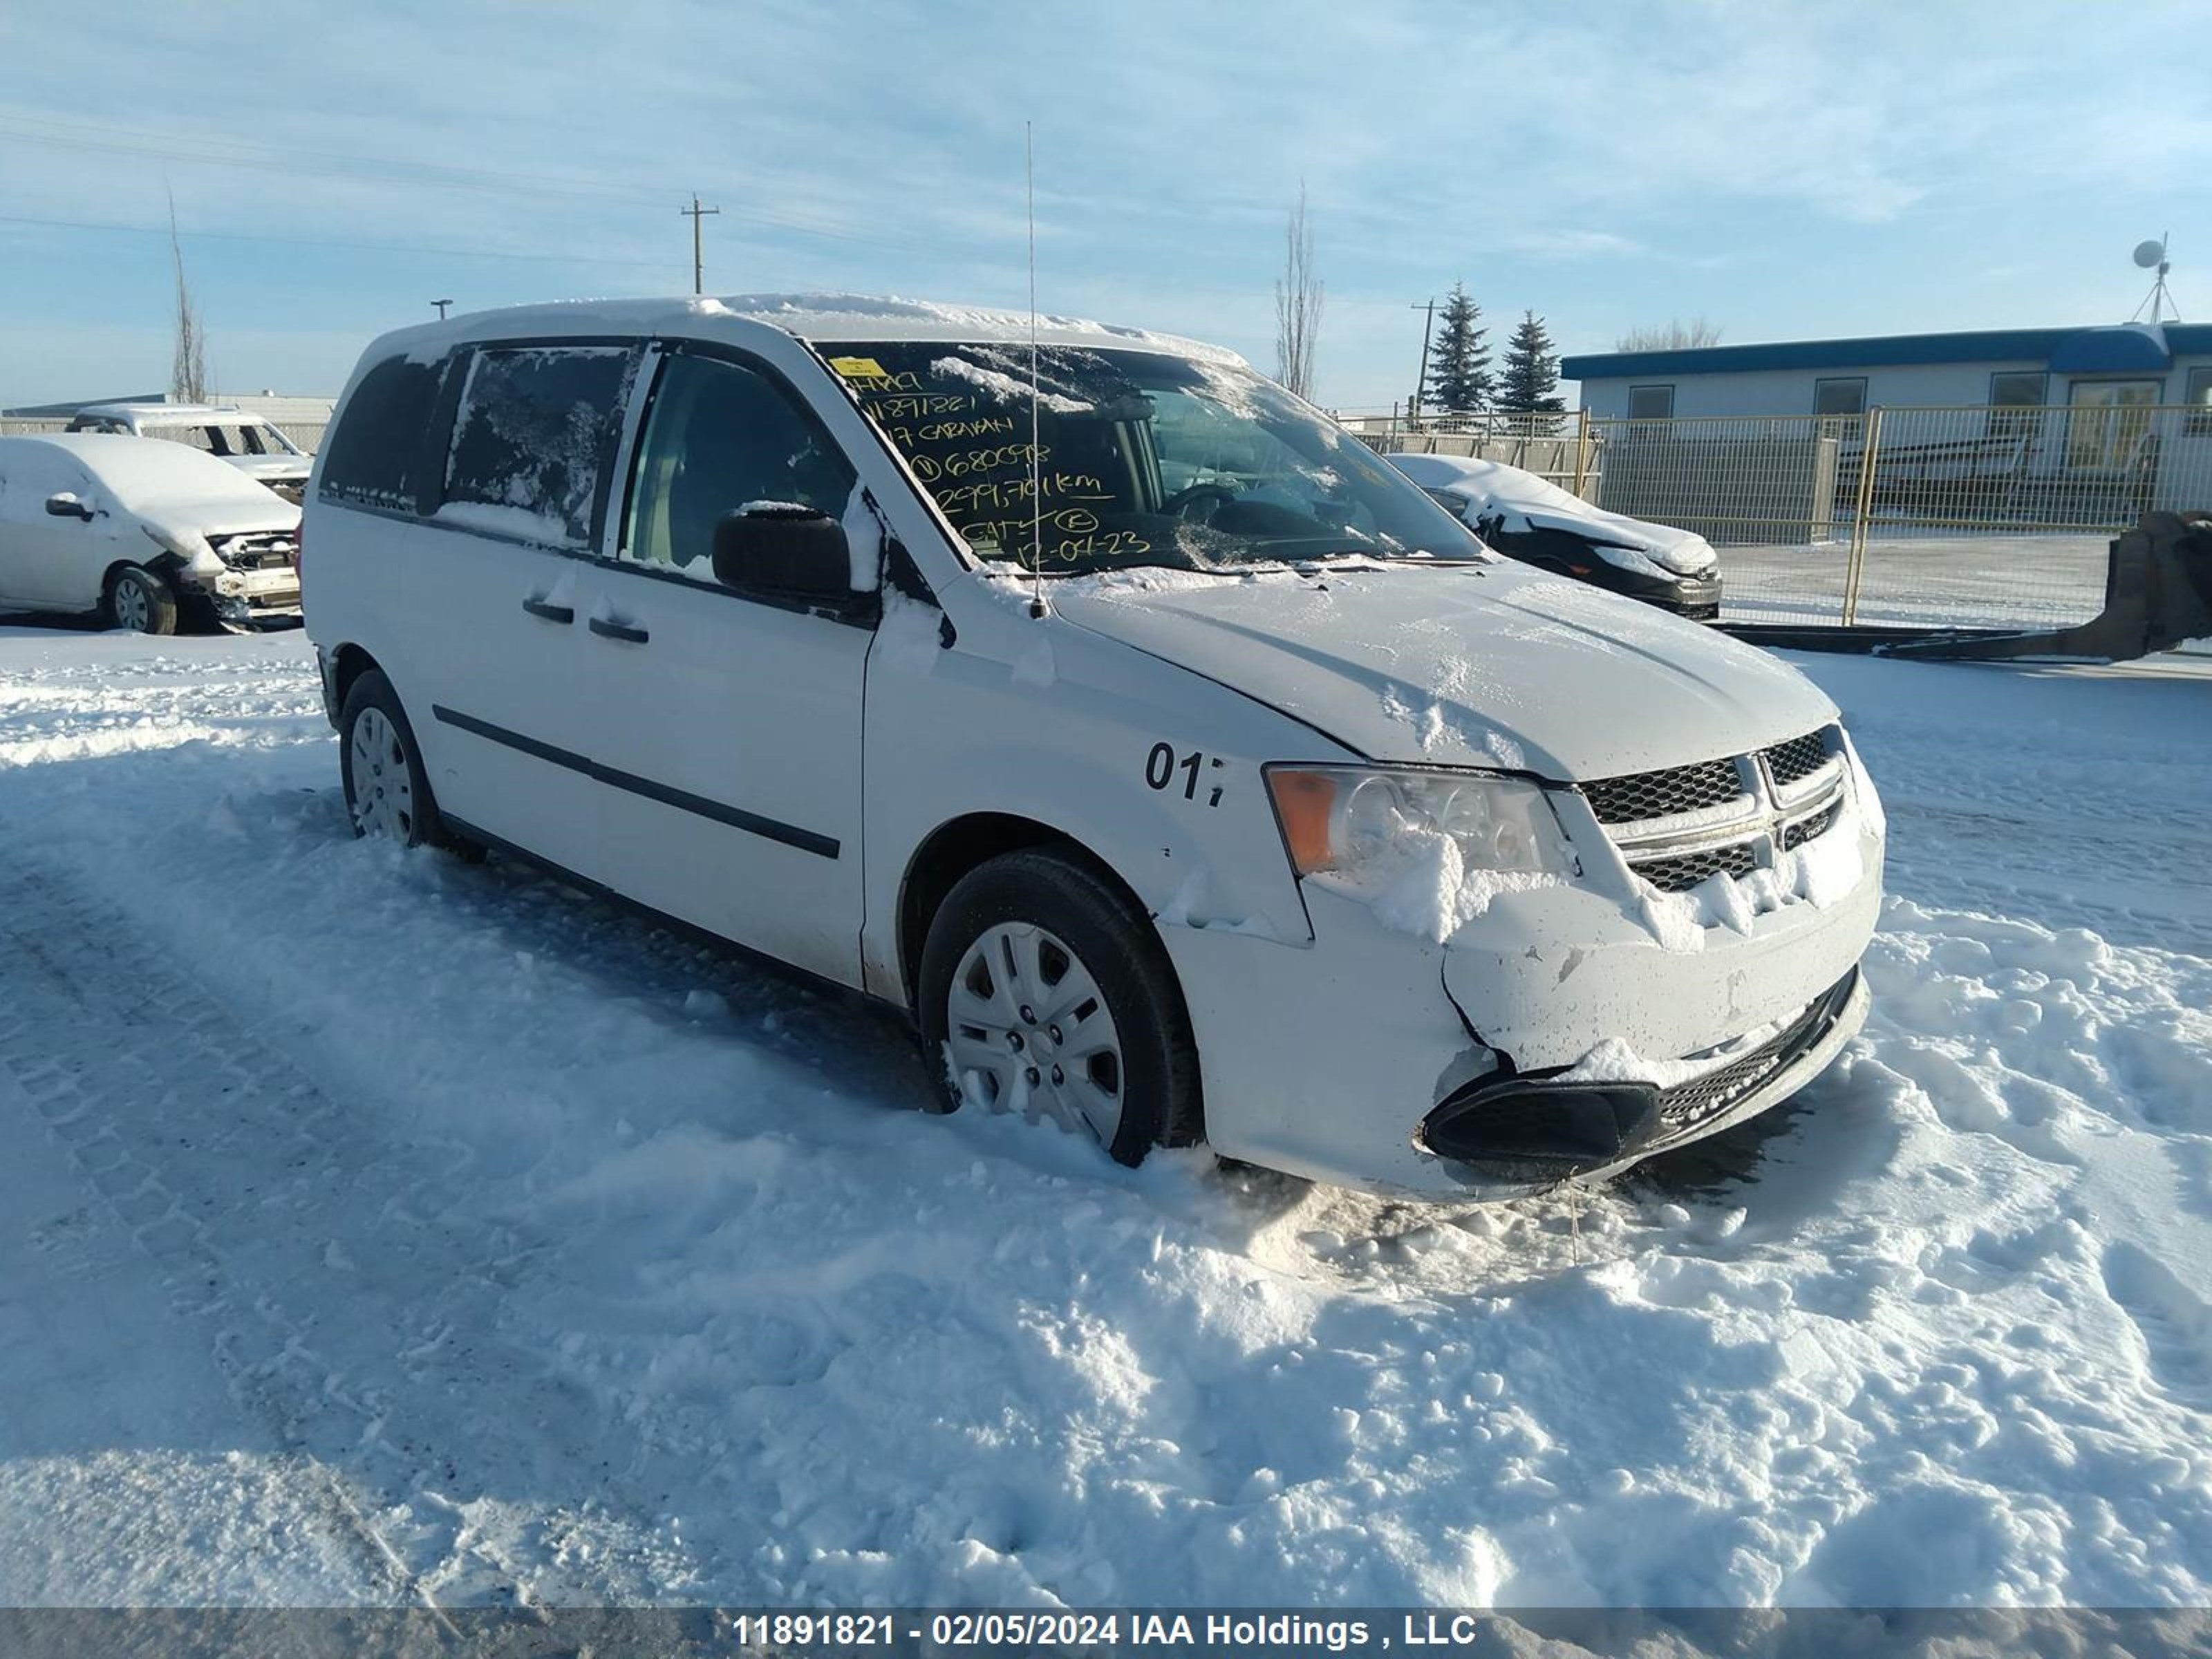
pixel 1688 1104
pixel 1684 871
pixel 1810 829
pixel 257 552
pixel 1799 758
pixel 1642 795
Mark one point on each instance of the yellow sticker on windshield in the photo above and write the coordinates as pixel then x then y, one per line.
pixel 859 368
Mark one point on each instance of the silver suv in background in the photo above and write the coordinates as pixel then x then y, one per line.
pixel 252 444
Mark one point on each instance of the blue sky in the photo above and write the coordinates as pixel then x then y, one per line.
pixel 1788 171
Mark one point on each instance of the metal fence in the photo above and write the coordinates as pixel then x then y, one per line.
pixel 1558 447
pixel 1967 516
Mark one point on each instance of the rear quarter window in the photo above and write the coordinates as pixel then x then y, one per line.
pixel 375 455
pixel 534 439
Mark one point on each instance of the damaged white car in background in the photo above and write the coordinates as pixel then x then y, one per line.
pixel 147 533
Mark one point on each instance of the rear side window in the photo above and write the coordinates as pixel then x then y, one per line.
pixel 534 438
pixel 374 456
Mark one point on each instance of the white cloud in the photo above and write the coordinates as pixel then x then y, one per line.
pixel 1607 160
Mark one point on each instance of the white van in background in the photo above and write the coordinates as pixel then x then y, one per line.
pixel 256 447
pixel 1185 769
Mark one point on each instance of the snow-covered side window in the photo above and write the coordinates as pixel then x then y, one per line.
pixel 536 431
pixel 722 438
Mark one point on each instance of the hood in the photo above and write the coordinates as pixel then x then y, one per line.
pixel 271 467
pixel 190 526
pixel 1485 665
pixel 1525 502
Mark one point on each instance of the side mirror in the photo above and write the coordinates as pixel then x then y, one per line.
pixel 66 505
pixel 791 551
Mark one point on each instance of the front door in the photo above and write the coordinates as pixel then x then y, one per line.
pixel 726 729
pixel 47 561
pixel 2108 424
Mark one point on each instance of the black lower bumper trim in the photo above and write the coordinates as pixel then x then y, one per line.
pixel 1544 1126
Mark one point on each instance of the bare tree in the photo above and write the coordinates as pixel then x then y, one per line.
pixel 188 375
pixel 1298 295
pixel 1673 336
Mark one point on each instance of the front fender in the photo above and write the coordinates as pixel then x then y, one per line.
pixel 1152 769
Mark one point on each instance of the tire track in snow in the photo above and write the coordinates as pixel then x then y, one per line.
pixel 174 1113
pixel 73 1094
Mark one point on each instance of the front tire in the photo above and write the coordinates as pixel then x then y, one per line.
pixel 141 602
pixel 1044 992
pixel 387 793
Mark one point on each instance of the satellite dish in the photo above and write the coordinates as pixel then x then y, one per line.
pixel 2151 255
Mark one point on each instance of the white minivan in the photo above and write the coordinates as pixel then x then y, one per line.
pixel 1187 772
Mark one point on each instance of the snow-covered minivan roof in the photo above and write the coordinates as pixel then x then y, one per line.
pixel 822 319
pixel 177 414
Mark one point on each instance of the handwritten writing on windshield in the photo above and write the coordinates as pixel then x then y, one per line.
pixel 976 463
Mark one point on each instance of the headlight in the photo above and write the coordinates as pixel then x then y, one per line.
pixel 1359 818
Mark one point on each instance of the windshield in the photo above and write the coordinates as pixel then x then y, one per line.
pixel 1140 459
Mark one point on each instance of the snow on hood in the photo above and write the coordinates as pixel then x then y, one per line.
pixel 1491 666
pixel 1526 502
pixel 158 478
pixel 271 466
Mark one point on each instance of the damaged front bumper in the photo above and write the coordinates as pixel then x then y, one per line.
pixel 1373 1060
pixel 1528 1131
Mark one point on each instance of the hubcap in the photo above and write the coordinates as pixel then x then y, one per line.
pixel 383 795
pixel 132 608
pixel 1028 1032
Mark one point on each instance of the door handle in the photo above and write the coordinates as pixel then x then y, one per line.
pixel 553 613
pixel 615 631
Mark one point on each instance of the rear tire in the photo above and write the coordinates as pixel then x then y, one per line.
pixel 1044 991
pixel 388 791
pixel 140 601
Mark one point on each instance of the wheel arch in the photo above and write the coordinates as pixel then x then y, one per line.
pixel 960 845
pixel 964 843
pixel 348 663
pixel 164 567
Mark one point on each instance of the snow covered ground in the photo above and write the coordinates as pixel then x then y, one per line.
pixel 374 1227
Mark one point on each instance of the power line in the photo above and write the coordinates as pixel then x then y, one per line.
pixel 239 153
pixel 310 241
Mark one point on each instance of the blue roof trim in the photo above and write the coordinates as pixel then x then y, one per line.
pixel 2109 350
pixel 2031 345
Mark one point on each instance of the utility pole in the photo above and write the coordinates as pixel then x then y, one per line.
pixel 442 305
pixel 1421 379
pixel 695 213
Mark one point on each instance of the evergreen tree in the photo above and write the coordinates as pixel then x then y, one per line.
pixel 1531 379
pixel 1458 363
